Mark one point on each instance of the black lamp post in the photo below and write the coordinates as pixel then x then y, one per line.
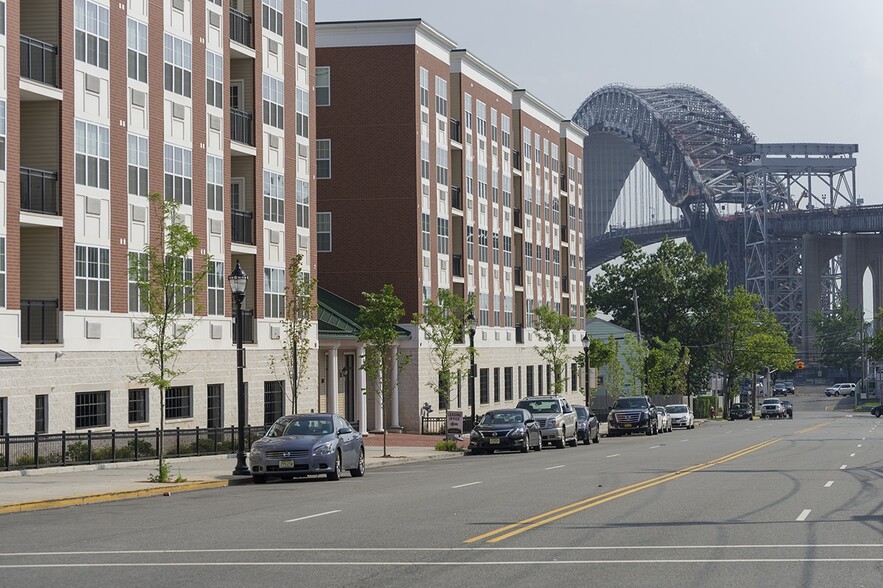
pixel 470 325
pixel 238 282
pixel 586 365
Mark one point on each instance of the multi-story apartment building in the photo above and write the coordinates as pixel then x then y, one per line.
pixel 436 172
pixel 101 103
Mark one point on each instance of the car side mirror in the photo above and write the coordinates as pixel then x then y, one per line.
pixel 344 431
pixel 529 422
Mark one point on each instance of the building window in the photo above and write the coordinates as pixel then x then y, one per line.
pixel 441 96
pixel 424 159
pixel 424 87
pixel 274 197
pixel 41 412
pixel 303 204
pixel 274 101
pixel 323 232
pixel 443 236
pixel 214 183
pixel 507 251
pixel 470 242
pixel 482 245
pixel 272 13
pixel 2 134
pixel 136 40
pixel 507 311
pixel 138 274
pixel 91 29
pixel 2 30
pixel 529 376
pixel 178 166
pixel 494 128
pixel 138 162
pixel 540 379
pixel 496 247
pixel 138 405
pixel 90 409
pixel 178 65
pixel 3 272
pixel 274 292
pixel 507 383
pixel 426 228
pixel 274 401
pixel 92 146
pixel 323 158
pixel 302 106
pixel 443 400
pixel 441 166
pixel 183 293
pixel 301 18
pixel 214 409
pixel 483 309
pixel 481 118
pixel 179 402
pixel 504 130
pixel 483 387
pixel 573 377
pixel 214 83
pixel 92 278
pixel 323 86
pixel 2 416
pixel 496 384
pixel 215 283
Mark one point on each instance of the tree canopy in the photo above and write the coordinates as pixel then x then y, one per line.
pixel 553 331
pixel 838 337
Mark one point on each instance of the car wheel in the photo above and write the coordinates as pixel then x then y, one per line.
pixel 259 479
pixel 335 475
pixel 539 446
pixel 837 393
pixel 359 470
pixel 560 443
pixel 597 438
pixel 526 447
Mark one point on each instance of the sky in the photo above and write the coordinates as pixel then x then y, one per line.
pixel 795 71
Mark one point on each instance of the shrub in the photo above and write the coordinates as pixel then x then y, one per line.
pixel 145 448
pixel 78 451
pixel 26 459
pixel 447 445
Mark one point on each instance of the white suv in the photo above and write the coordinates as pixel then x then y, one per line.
pixel 555 416
pixel 840 390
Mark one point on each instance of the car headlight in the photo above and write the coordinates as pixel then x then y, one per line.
pixel 324 448
pixel 611 417
pixel 474 435
pixel 517 433
pixel 256 453
pixel 645 416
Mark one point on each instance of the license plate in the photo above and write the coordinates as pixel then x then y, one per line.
pixel 495 441
pixel 626 426
pixel 286 463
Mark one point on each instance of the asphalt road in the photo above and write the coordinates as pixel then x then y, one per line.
pixel 760 503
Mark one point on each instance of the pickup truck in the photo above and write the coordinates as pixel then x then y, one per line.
pixel 556 419
pixel 632 414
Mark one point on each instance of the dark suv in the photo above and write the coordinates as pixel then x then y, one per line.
pixel 555 416
pixel 632 414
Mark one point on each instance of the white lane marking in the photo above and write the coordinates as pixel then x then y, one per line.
pixel 843 467
pixel 829 483
pixel 683 440
pixel 555 467
pixel 804 514
pixel 615 455
pixel 851 455
pixel 321 514
pixel 656 446
pixel 859 445
pixel 464 485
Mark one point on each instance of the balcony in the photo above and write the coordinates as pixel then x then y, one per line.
pixel 455 130
pixel 38 61
pixel 247 326
pixel 516 217
pixel 516 159
pixel 241 28
pixel 563 181
pixel 456 198
pixel 457 265
pixel 242 226
pixel 518 276
pixel 39 191
pixel 565 284
pixel 519 334
pixel 39 321
pixel 242 127
pixel 565 233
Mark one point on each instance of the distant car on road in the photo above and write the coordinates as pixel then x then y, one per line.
pixel 681 415
pixel 877 411
pixel 842 389
pixel 632 414
pixel 664 420
pixel 741 410
pixel 780 389
pixel 555 416
pixel 789 408
pixel 789 386
pixel 507 428
pixel 772 408
pixel 588 430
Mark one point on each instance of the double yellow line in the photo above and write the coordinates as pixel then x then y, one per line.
pixel 551 516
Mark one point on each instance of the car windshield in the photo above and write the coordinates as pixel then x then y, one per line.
pixel 772 401
pixel 540 405
pixel 740 406
pixel 502 418
pixel 676 408
pixel 630 403
pixel 581 412
pixel 305 425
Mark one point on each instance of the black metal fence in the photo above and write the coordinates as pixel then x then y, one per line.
pixel 437 425
pixel 19 452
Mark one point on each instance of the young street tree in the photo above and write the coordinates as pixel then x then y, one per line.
pixel 299 307
pixel 165 289
pixel 378 319
pixel 443 325
pixel 636 352
pixel 553 331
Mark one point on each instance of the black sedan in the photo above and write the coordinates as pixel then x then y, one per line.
pixel 789 408
pixel 741 410
pixel 587 426
pixel 506 428
pixel 307 444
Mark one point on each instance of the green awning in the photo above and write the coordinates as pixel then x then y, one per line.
pixel 338 318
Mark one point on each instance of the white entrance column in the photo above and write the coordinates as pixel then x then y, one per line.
pixel 394 415
pixel 361 392
pixel 333 382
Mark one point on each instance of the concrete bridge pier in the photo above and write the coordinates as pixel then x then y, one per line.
pixel 818 250
pixel 860 251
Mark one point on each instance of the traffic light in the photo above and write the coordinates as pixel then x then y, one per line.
pixel 799 364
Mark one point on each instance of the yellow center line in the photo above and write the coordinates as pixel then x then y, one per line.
pixel 813 428
pixel 573 508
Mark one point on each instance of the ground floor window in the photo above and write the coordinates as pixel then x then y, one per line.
pixel 530 380
pixel 214 410
pixel 507 383
pixel 90 409
pixel 496 384
pixel 138 405
pixel 41 412
pixel 274 395
pixel 179 402
pixel 2 416
pixel 483 377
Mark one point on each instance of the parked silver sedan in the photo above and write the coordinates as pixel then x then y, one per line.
pixel 307 444
pixel 681 415
pixel 664 420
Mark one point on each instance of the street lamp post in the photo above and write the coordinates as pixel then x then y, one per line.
pixel 238 282
pixel 470 325
pixel 586 365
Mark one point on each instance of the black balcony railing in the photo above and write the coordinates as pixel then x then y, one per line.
pixel 563 181
pixel 456 198
pixel 39 190
pixel 38 61
pixel 519 334
pixel 455 130
pixel 516 159
pixel 457 264
pixel 242 126
pixel 247 326
pixel 565 233
pixel 517 274
pixel 39 321
pixel 516 217
pixel 241 28
pixel 242 226
pixel 565 284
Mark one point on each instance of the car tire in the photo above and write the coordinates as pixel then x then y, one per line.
pixel 539 446
pixel 335 474
pixel 597 438
pixel 573 442
pixel 526 447
pixel 490 451
pixel 259 479
pixel 837 393
pixel 359 470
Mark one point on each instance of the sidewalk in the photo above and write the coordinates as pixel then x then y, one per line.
pixel 43 488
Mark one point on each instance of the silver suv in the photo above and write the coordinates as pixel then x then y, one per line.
pixel 555 416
